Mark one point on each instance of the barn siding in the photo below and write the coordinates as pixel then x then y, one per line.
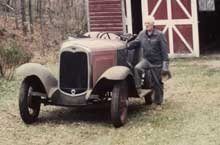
pixel 105 15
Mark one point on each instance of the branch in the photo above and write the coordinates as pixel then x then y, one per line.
pixel 7 6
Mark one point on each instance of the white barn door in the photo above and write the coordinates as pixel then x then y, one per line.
pixel 179 21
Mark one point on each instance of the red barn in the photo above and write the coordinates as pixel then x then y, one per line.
pixel 190 25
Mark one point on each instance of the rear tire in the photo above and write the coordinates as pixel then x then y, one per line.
pixel 29 106
pixel 119 104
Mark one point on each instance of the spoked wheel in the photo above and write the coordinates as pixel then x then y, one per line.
pixel 119 104
pixel 29 105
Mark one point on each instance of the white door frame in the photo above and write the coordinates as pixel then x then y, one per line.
pixel 127 21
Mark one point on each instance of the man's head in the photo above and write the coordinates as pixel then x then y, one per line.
pixel 149 23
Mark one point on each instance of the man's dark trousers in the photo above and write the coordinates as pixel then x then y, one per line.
pixel 157 84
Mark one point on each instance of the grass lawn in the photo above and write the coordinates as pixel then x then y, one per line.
pixel 190 115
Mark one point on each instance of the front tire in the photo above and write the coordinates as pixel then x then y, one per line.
pixel 119 104
pixel 29 105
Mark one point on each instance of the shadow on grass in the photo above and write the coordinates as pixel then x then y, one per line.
pixel 91 114
pixel 99 115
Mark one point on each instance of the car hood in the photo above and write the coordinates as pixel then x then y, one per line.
pixel 95 44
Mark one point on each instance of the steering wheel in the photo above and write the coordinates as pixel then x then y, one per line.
pixel 103 34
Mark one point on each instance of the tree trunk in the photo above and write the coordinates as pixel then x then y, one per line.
pixel 40 15
pixel 31 17
pixel 23 15
pixel 37 7
pixel 1 71
pixel 16 14
pixel 8 3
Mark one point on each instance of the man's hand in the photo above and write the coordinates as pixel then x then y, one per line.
pixel 133 45
pixel 165 72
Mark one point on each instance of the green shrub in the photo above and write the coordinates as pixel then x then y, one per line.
pixel 11 55
pixel 2 30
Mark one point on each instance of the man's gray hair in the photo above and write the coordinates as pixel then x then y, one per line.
pixel 150 19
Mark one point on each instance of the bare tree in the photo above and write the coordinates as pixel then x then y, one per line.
pixel 31 17
pixel 23 15
pixel 16 14
pixel 1 71
pixel 7 6
pixel 53 20
pixel 40 14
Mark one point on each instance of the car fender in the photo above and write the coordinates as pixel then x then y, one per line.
pixel 42 73
pixel 116 73
pixel 112 76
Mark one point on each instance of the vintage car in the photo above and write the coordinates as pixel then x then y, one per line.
pixel 91 71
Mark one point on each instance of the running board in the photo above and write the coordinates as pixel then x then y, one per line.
pixel 144 92
pixel 39 94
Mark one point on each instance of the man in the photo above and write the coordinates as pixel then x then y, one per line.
pixel 154 50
